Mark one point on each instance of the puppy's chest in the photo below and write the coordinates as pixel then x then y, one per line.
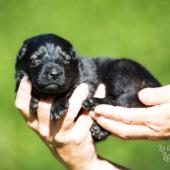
pixel 88 72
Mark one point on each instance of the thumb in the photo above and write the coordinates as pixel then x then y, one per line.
pixel 155 96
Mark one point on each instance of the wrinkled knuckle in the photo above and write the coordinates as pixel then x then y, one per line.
pixel 69 119
pixel 76 140
pixel 43 134
pixel 127 120
pixel 59 139
pixel 124 135
pixel 29 124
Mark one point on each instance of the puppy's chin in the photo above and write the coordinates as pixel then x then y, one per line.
pixel 51 89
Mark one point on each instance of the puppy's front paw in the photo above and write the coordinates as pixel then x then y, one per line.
pixel 88 104
pixel 34 105
pixel 58 110
pixel 56 114
pixel 91 103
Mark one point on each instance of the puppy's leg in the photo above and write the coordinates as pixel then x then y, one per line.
pixel 34 104
pixel 91 103
pixel 59 107
pixel 98 133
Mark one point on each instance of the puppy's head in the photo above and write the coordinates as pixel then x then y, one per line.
pixel 50 63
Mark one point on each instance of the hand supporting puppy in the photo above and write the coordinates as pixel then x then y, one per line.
pixel 69 141
pixel 134 123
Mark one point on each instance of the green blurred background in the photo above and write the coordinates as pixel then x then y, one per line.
pixel 137 29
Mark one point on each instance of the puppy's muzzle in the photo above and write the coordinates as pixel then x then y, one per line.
pixel 54 74
pixel 53 71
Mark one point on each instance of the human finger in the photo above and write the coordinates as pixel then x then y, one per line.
pixel 126 115
pixel 75 104
pixel 43 115
pixel 81 128
pixel 100 92
pixel 133 115
pixel 155 96
pixel 23 97
pixel 125 131
pixel 79 131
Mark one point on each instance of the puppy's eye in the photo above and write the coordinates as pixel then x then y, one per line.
pixel 34 62
pixel 67 58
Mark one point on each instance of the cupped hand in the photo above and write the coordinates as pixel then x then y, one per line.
pixel 70 141
pixel 151 123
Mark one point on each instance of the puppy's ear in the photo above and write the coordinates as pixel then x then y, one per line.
pixel 19 69
pixel 73 53
pixel 22 52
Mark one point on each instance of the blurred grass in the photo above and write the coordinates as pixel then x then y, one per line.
pixel 130 28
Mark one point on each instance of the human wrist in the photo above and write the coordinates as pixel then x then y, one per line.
pixel 96 163
pixel 103 164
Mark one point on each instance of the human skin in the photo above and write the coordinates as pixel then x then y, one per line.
pixel 152 122
pixel 70 141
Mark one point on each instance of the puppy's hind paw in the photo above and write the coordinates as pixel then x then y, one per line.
pixel 98 133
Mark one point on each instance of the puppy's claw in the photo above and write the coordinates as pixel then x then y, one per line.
pixel 56 115
pixel 33 110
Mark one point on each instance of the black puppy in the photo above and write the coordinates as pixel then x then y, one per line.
pixel 55 71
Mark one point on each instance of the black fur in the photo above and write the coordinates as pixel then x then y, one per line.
pixel 55 71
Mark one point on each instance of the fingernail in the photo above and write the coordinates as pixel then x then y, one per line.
pixel 91 113
pixel 94 115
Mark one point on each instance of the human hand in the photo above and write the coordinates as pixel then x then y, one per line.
pixel 138 123
pixel 69 141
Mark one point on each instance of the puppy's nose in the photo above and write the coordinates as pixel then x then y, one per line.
pixel 54 74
